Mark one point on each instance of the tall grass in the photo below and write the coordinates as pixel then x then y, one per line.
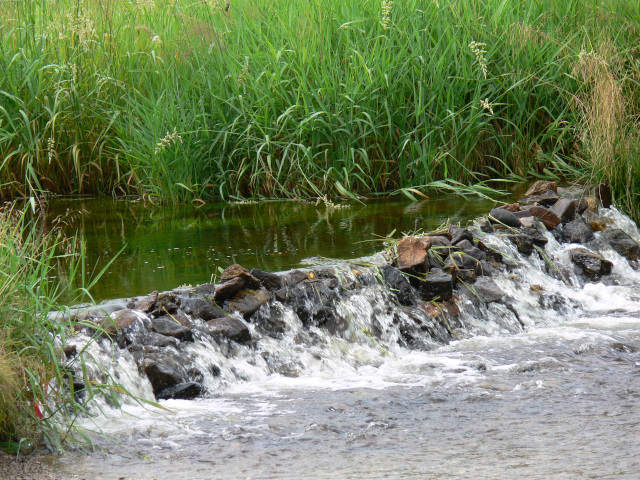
pixel 304 98
pixel 37 399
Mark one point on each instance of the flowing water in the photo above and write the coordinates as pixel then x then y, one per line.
pixel 549 388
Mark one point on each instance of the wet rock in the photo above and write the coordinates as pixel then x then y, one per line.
pixel 565 209
pixel 577 231
pixel 399 285
pixel 586 204
pixel 468 248
pixel 603 193
pixel 270 281
pixel 147 304
pixel 238 271
pixel 163 370
pixel 504 217
pixel 440 246
pixel 484 225
pixel 157 340
pixel 170 327
pixel 524 243
pixel 294 277
pixel 185 391
pixel 166 303
pixel 546 216
pixel 528 221
pixel 596 222
pixel 622 243
pixel 270 321
pixel 204 290
pixel 412 253
pixel 231 328
pixel 126 327
pixel 592 265
pixel 541 186
pixel 209 312
pixel 248 302
pixel 228 289
pixel 523 214
pixel 458 261
pixel 458 234
pixel 486 290
pixel 436 285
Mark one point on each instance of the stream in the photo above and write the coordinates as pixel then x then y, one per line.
pixel 547 389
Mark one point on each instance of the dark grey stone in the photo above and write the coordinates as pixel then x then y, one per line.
pixel 622 243
pixel 248 302
pixel 436 285
pixel 270 281
pixel 592 265
pixel 186 391
pixel 231 328
pixel 505 217
pixel 171 328
pixel 565 209
pixel 577 231
pixel 399 285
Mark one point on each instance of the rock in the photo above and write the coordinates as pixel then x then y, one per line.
pixel 504 217
pixel 467 247
pixel 412 253
pixel 238 271
pixel 540 187
pixel 546 216
pixel 399 285
pixel 486 290
pixel 524 243
pixel 489 251
pixel 440 246
pixel 523 214
pixel 120 320
pixel 228 289
pixel 154 339
pixel 577 231
pixel 185 391
pixel 596 222
pixel 484 225
pixel 511 207
pixel 545 199
pixel 592 265
pixel 231 328
pixel 270 281
pixel 622 243
pixel 436 285
pixel 169 327
pixel 248 302
pixel 565 209
pixel 528 221
pixel 584 204
pixel 166 303
pixel 147 304
pixel 162 370
pixel 203 290
pixel 458 261
pixel 294 277
pixel 209 312
pixel 603 193
pixel 458 234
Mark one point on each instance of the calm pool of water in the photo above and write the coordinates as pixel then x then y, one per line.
pixel 162 247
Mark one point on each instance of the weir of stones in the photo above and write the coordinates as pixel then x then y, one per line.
pixel 517 269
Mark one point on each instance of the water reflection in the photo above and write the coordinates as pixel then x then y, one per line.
pixel 167 246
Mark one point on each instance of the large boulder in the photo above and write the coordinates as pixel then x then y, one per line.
pixel 622 243
pixel 592 265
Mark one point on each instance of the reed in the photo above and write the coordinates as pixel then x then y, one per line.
pixel 293 98
pixel 37 400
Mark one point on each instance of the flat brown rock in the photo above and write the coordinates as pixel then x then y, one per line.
pixel 546 216
pixel 412 252
pixel 511 207
pixel 540 187
pixel 238 271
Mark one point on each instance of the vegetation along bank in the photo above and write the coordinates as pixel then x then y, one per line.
pixel 187 101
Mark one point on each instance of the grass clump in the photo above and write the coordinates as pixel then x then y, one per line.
pixel 185 100
pixel 37 401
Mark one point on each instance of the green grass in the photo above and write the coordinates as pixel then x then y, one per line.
pixel 299 98
pixel 37 402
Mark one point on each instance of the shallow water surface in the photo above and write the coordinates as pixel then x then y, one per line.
pixel 163 247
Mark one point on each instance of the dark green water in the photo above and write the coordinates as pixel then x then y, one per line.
pixel 164 247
